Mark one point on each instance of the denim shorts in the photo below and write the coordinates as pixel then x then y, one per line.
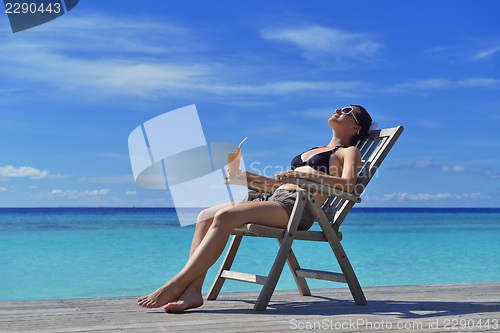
pixel 286 198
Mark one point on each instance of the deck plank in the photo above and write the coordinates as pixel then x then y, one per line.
pixel 424 306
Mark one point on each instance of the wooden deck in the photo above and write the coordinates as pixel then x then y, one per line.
pixel 420 308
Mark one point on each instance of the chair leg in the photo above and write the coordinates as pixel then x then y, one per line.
pixel 293 264
pixel 272 279
pixel 226 265
pixel 338 250
pixel 349 275
pixel 286 245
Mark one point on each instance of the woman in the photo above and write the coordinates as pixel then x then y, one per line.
pixel 336 164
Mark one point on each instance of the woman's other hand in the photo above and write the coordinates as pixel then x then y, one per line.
pixel 292 174
pixel 238 175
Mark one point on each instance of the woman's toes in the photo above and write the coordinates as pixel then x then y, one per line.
pixel 178 306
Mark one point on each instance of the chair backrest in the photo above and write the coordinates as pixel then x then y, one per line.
pixel 373 149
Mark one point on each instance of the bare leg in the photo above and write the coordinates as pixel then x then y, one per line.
pixel 211 247
pixel 191 296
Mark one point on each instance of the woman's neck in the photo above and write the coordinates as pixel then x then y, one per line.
pixel 339 140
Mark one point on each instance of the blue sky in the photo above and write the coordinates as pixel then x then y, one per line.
pixel 73 89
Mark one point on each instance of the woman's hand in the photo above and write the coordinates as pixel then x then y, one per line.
pixel 293 174
pixel 238 175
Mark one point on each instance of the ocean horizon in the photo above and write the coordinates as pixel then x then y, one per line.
pixel 86 252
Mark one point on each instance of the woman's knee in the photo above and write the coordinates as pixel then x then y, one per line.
pixel 226 219
pixel 209 213
pixel 206 215
pixel 205 219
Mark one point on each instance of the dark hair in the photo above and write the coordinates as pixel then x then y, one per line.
pixel 365 121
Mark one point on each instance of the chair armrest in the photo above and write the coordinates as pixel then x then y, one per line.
pixel 314 187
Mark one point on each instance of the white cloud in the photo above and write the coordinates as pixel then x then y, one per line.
pixel 24 171
pixel 479 82
pixel 418 164
pixel 58 176
pixel 97 192
pixel 404 196
pixel 491 174
pixel 454 168
pixel 143 44
pixel 131 192
pixel 485 53
pixel 420 85
pixel 285 87
pixel 317 42
pixel 141 68
pixel 3 189
pixel 107 34
pixel 122 179
pixel 72 194
pixel 468 52
pixel 149 78
pixel 426 164
pixel 422 164
pixel 430 84
pixel 115 76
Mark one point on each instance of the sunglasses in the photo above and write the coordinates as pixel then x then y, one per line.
pixel 349 111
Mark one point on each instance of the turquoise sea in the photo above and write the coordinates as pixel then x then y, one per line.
pixel 61 253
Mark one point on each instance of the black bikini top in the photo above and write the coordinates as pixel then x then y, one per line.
pixel 319 162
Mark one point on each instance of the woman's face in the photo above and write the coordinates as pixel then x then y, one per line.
pixel 346 118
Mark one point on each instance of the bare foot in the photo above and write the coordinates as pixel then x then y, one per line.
pixel 164 295
pixel 189 299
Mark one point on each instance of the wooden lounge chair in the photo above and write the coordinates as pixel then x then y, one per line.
pixel 329 214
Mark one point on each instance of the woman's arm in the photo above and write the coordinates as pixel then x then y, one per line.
pixel 254 181
pixel 351 165
pixel 263 180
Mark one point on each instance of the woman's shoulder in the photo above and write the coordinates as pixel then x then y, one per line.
pixel 350 151
pixel 346 148
pixel 351 148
